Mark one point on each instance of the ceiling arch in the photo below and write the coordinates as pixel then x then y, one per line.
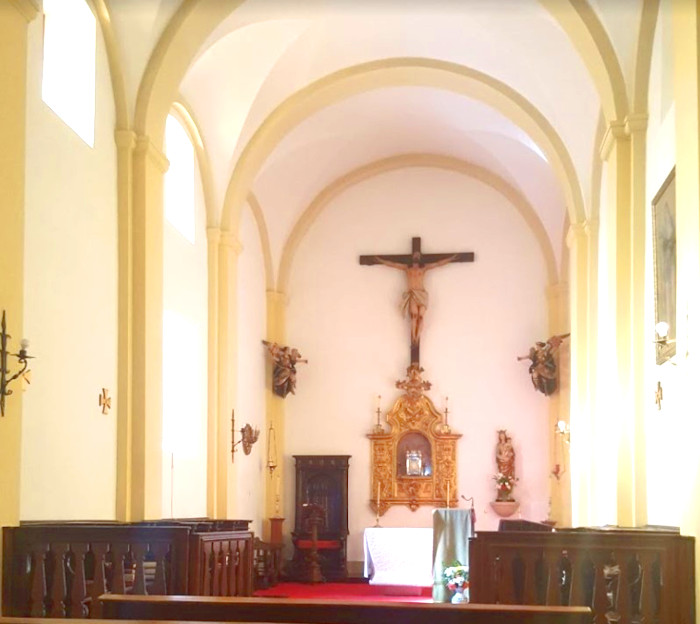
pixel 341 184
pixel 589 37
pixel 393 72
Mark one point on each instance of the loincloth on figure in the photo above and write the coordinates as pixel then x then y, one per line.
pixel 417 296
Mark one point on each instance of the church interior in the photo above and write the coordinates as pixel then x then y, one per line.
pixel 241 235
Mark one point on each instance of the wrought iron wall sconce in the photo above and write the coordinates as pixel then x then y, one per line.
pixel 271 450
pixel 22 358
pixel 249 436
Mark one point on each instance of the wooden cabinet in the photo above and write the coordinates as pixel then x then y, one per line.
pixel 321 480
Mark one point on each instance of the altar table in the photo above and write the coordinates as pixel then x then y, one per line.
pixel 399 556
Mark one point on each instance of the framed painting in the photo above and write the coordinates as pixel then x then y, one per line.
pixel 663 218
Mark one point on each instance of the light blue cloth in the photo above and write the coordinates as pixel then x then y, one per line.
pixel 452 529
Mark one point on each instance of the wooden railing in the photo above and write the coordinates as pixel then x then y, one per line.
pixel 280 610
pixel 624 576
pixel 60 569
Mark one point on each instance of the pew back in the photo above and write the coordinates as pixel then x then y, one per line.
pixel 61 570
pixel 623 575
pixel 294 611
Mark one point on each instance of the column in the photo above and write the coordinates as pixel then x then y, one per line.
pixel 580 449
pixel 616 152
pixel 635 128
pixel 274 405
pixel 126 142
pixel 150 166
pixel 559 408
pixel 229 250
pixel 213 241
pixel 686 48
pixel 14 19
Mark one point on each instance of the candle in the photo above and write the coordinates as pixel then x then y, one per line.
pixel 446 410
pixel 379 402
pixel 448 493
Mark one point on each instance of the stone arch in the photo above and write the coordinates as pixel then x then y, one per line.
pixel 393 163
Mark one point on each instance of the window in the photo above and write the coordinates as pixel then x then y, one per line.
pixel 68 82
pixel 179 180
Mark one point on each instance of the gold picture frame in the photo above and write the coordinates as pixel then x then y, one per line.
pixel 663 219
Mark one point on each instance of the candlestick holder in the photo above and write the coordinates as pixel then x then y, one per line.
pixel 378 428
pixel 22 358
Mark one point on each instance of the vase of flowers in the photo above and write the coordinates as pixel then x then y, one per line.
pixel 457 580
pixel 504 486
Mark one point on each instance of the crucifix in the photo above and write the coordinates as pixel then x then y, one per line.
pixel 415 298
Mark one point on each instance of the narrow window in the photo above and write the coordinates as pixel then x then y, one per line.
pixel 179 180
pixel 68 81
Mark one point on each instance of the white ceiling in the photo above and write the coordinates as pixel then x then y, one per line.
pixel 267 50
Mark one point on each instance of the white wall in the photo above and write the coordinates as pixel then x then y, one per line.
pixel 249 470
pixel 345 318
pixel 68 445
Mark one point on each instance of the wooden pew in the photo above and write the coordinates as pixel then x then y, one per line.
pixel 59 569
pixel 623 575
pixel 294 611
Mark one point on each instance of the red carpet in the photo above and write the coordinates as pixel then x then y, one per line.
pixel 348 591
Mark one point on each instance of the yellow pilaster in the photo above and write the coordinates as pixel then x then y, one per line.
pixel 580 452
pixel 616 151
pixel 126 142
pixel 560 488
pixel 150 166
pixel 14 18
pixel 635 128
pixel 229 250
pixel 686 53
pixel 213 241
pixel 274 407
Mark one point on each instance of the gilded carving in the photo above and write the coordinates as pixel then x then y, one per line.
pixel 415 462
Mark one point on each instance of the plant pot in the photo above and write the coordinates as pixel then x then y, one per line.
pixel 505 508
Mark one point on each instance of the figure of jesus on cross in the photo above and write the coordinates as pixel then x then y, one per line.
pixel 415 298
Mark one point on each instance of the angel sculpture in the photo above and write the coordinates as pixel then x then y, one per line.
pixel 543 368
pixel 284 376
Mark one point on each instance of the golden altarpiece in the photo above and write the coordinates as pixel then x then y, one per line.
pixel 415 462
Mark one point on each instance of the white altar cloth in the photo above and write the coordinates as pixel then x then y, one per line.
pixel 399 556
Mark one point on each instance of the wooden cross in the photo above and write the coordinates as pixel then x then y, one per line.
pixel 415 299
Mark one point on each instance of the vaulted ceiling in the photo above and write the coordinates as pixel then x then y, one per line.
pixel 319 89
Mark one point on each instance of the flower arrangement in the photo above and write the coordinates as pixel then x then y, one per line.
pixel 505 484
pixel 456 576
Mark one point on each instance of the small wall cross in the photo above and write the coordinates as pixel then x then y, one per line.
pixel 105 401
pixel 659 394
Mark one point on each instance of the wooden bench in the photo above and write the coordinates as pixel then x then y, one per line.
pixel 284 610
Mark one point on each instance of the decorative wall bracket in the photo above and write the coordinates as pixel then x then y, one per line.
pixel 249 436
pixel 22 358
pixel 415 462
